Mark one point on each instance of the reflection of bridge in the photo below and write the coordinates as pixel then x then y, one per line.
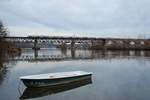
pixel 84 42
pixel 87 56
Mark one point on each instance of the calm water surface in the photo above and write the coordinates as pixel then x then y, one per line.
pixel 117 75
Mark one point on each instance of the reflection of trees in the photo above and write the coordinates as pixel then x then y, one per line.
pixel 3 68
pixel 4 54
pixel 3 57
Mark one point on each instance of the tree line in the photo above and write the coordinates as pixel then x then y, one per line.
pixel 3 30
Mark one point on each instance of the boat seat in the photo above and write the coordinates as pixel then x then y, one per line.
pixel 53 76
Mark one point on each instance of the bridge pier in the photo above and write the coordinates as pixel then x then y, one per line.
pixel 104 44
pixel 72 44
pixel 35 45
pixel 64 48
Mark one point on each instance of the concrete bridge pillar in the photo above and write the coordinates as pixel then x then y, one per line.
pixel 104 44
pixel 36 45
pixel 72 44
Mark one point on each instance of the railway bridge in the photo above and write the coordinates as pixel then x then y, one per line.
pixel 82 42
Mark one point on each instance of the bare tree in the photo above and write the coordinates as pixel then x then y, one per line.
pixel 3 30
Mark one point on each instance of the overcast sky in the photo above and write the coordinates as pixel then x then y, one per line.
pixel 97 18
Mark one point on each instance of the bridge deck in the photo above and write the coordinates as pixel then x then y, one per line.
pixel 90 42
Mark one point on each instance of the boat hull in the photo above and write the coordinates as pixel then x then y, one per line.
pixel 52 82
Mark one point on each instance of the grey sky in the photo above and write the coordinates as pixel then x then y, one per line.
pixel 107 18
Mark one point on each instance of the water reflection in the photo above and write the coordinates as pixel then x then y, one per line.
pixel 61 55
pixel 72 54
pixel 3 61
pixel 43 91
pixel 116 74
pixel 5 55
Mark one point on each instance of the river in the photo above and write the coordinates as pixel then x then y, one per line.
pixel 117 75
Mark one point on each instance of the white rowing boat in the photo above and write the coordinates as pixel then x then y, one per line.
pixel 30 93
pixel 54 78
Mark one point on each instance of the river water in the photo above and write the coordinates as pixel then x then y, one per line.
pixel 117 75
